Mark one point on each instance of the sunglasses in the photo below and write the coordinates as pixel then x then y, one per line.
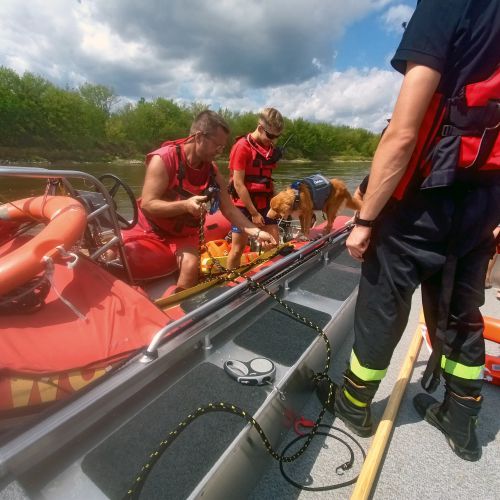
pixel 219 147
pixel 270 136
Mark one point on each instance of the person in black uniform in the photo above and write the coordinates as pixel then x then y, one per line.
pixel 435 230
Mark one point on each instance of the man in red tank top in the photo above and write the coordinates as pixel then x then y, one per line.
pixel 171 204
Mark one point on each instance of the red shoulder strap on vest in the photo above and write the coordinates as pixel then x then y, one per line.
pixel 256 147
pixel 181 173
pixel 176 141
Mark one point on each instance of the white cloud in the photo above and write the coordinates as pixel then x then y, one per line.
pixel 232 53
pixel 395 16
pixel 358 98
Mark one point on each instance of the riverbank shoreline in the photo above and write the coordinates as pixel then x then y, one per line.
pixel 135 161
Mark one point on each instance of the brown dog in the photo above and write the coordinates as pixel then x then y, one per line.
pixel 282 205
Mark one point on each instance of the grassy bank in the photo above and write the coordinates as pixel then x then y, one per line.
pixel 38 156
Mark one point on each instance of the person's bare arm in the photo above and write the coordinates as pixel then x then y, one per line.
pixel 241 189
pixel 397 144
pixel 235 216
pixel 395 148
pixel 155 184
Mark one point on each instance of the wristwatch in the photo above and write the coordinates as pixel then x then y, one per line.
pixel 363 222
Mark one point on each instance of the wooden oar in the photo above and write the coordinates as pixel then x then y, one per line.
pixel 371 466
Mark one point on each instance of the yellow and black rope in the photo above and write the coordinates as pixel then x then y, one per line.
pixel 135 489
pixel 233 274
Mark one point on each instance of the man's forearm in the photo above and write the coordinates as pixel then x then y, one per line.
pixel 162 208
pixel 236 218
pixel 396 145
pixel 388 167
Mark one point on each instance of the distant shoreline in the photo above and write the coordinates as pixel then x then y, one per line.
pixel 134 161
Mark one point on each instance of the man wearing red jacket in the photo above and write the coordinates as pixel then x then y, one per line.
pixel 173 200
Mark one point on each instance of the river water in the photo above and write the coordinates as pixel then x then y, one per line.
pixel 133 174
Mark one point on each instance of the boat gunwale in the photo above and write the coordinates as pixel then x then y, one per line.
pixel 295 380
pixel 262 275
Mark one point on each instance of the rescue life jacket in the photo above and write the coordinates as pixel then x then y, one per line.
pixel 181 188
pixel 258 180
pixel 459 138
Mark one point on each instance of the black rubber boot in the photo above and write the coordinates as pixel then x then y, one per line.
pixel 456 418
pixel 356 417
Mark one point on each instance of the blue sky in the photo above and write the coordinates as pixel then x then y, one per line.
pixel 322 60
pixel 367 43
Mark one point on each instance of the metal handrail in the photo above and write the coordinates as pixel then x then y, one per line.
pixel 45 173
pixel 151 352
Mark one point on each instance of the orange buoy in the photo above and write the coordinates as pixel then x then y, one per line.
pixel 67 220
pixel 217 248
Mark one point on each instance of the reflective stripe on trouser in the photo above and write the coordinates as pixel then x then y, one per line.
pixel 364 373
pixel 462 359
pixel 460 370
pixel 357 390
pixel 408 247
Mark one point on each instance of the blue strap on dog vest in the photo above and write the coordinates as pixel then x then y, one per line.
pixel 295 185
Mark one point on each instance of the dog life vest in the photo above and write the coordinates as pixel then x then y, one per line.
pixel 319 187
pixel 178 189
pixel 458 139
pixel 258 179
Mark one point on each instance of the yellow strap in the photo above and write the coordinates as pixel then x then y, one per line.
pixel 366 374
pixel 461 371
pixel 354 401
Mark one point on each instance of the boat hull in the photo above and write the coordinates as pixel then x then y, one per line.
pixel 120 374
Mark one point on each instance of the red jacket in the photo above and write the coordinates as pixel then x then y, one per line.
pixel 459 138
pixel 258 164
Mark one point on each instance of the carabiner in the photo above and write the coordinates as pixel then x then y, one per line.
pixel 304 422
pixel 342 468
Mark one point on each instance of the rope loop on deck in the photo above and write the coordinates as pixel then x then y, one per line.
pixel 135 489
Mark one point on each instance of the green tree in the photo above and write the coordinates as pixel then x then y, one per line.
pixel 99 96
pixel 10 107
pixel 35 113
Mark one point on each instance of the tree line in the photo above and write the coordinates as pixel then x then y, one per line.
pixel 39 120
